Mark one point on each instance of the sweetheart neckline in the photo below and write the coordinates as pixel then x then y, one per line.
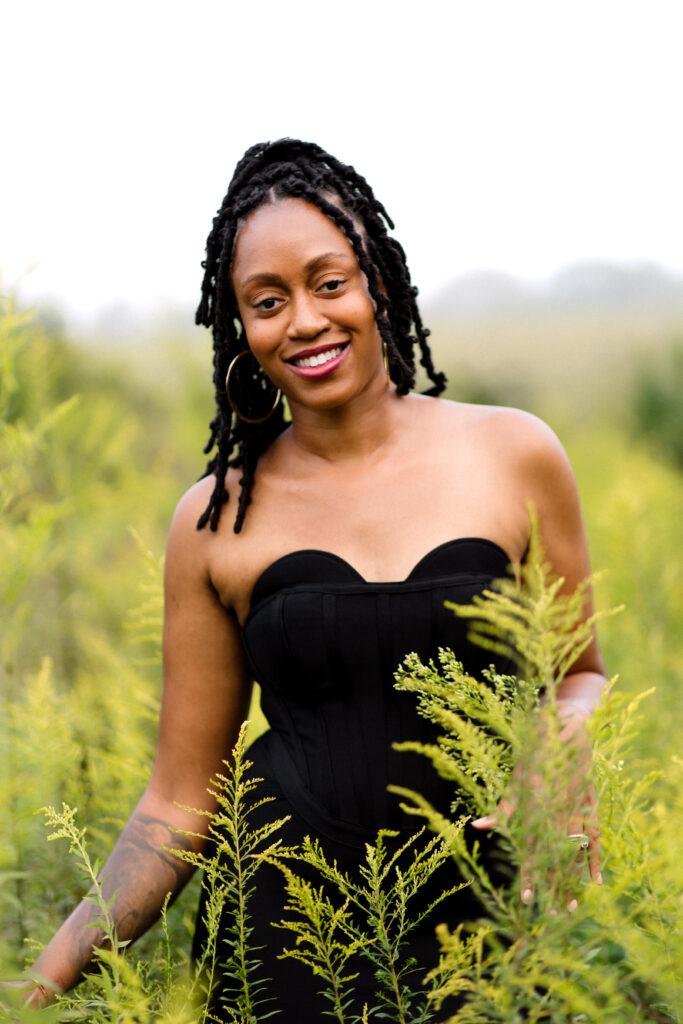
pixel 360 580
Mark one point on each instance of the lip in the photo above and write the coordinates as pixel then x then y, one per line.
pixel 325 369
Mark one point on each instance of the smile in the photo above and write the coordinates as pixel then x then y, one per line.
pixel 314 364
pixel 319 359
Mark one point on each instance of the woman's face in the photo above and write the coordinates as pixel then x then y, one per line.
pixel 305 305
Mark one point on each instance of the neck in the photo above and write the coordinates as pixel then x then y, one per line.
pixel 357 430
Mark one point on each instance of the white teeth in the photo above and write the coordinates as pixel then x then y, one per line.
pixel 320 359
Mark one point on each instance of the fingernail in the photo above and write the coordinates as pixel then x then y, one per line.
pixel 527 896
pixel 482 822
pixel 572 905
pixel 598 878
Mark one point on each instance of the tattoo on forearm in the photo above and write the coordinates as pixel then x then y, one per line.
pixel 141 870
pixel 144 833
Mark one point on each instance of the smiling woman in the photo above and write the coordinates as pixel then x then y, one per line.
pixel 367 510
pixel 370 264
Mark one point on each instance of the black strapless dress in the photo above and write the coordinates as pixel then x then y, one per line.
pixel 324 644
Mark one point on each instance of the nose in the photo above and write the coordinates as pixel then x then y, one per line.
pixel 307 320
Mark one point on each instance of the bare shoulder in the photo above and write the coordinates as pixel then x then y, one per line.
pixel 205 559
pixel 187 564
pixel 492 419
pixel 531 467
pixel 513 435
pixel 537 469
pixel 192 548
pixel 513 458
pixel 183 530
pixel 192 504
pixel 196 499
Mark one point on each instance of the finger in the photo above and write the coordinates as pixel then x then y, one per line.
pixel 16 986
pixel 586 839
pixel 504 812
pixel 593 831
pixel 506 808
pixel 526 873
pixel 31 993
pixel 488 821
pixel 587 827
pixel 575 873
pixel 594 855
pixel 579 841
pixel 526 885
pixel 578 838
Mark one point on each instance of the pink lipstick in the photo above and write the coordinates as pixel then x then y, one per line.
pixel 314 363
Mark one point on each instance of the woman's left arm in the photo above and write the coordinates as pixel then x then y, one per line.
pixel 546 479
pixel 549 482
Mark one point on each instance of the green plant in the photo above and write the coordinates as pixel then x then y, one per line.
pixel 538 962
pixel 230 867
pixel 517 962
pixel 369 916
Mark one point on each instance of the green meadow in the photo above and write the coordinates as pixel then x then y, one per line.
pixel 96 446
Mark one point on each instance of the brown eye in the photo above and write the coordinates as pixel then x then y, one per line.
pixel 332 286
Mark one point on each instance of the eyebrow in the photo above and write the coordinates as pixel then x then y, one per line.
pixel 312 265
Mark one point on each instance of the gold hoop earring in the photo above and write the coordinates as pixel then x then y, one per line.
pixel 385 357
pixel 233 406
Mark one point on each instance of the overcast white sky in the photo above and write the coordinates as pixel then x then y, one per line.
pixel 514 134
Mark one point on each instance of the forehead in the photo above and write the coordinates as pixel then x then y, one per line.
pixel 286 230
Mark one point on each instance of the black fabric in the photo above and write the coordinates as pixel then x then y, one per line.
pixel 324 645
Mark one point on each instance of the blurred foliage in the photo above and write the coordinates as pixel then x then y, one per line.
pixel 658 404
pixel 632 507
pixel 79 707
pixel 95 450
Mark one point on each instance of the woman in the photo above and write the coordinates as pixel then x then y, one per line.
pixel 311 524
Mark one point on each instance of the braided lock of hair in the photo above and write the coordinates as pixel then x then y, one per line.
pixel 284 169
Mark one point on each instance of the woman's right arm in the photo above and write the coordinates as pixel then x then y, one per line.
pixel 205 700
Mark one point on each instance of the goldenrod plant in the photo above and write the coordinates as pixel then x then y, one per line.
pixel 234 856
pixel 618 956
pixel 369 917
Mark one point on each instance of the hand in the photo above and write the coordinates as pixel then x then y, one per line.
pixel 33 993
pixel 554 788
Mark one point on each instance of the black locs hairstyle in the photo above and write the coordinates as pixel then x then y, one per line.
pixel 292 169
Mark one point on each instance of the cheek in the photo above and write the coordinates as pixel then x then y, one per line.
pixel 359 310
pixel 259 341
